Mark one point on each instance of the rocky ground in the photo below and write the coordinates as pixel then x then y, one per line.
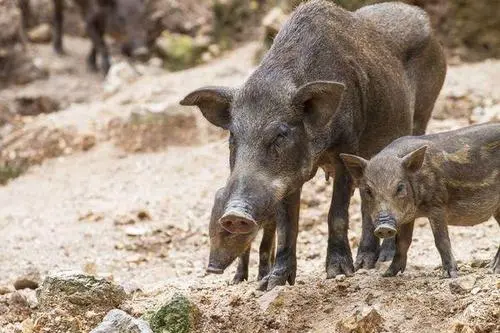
pixel 117 182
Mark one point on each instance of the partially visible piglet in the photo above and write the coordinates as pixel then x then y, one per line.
pixel 451 178
pixel 225 246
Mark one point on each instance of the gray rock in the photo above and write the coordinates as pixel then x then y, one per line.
pixel 40 34
pixel 118 321
pixel 79 289
pixel 72 302
pixel 177 315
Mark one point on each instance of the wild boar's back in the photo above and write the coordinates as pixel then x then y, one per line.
pixel 407 27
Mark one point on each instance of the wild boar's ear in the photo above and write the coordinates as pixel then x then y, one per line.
pixel 319 100
pixel 106 3
pixel 214 103
pixel 413 161
pixel 355 165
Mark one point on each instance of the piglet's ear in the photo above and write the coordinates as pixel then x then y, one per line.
pixel 413 161
pixel 355 165
pixel 214 103
pixel 319 101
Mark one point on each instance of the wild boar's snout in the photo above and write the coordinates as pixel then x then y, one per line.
pixel 385 226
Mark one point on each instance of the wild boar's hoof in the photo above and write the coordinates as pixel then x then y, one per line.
pixel 495 265
pixel 238 223
pixel 398 265
pixel 277 278
pixel 214 270
pixel 450 273
pixel 339 261
pixel 366 260
pixel 238 278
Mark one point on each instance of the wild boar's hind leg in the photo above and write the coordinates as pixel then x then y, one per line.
pixel 242 270
pixel 266 250
pixel 443 244
pixel 287 222
pixel 58 21
pixel 339 257
pixel 402 241
pixel 496 261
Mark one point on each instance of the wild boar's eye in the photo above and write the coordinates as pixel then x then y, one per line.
pixel 368 192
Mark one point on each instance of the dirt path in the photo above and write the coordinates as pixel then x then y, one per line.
pixel 72 212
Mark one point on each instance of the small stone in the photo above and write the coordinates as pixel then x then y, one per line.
pixel 272 299
pixel 475 290
pixel 125 219
pixel 40 34
pixel 462 285
pixel 5 290
pixel 214 49
pixel 136 231
pixel 35 105
pixel 367 320
pixel 479 263
pixel 117 321
pixel 206 57
pixel 362 271
pixel 143 215
pixel 30 280
pixel 155 62
pixel 340 278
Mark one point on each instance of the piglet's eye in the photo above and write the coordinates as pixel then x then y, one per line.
pixel 400 189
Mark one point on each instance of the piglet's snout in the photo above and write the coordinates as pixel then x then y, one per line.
pixel 385 226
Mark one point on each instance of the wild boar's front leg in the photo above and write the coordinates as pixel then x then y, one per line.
pixel 439 227
pixel 242 269
pixel 339 257
pixel 285 268
pixel 267 249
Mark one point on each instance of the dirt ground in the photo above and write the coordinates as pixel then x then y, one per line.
pixel 143 217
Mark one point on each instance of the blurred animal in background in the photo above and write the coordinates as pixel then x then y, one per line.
pixel 124 20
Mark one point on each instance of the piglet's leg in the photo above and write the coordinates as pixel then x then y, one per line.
pixel 495 265
pixel 403 241
pixel 369 247
pixel 443 244
pixel 242 269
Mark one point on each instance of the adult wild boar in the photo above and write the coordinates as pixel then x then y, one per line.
pixel 125 20
pixel 333 82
